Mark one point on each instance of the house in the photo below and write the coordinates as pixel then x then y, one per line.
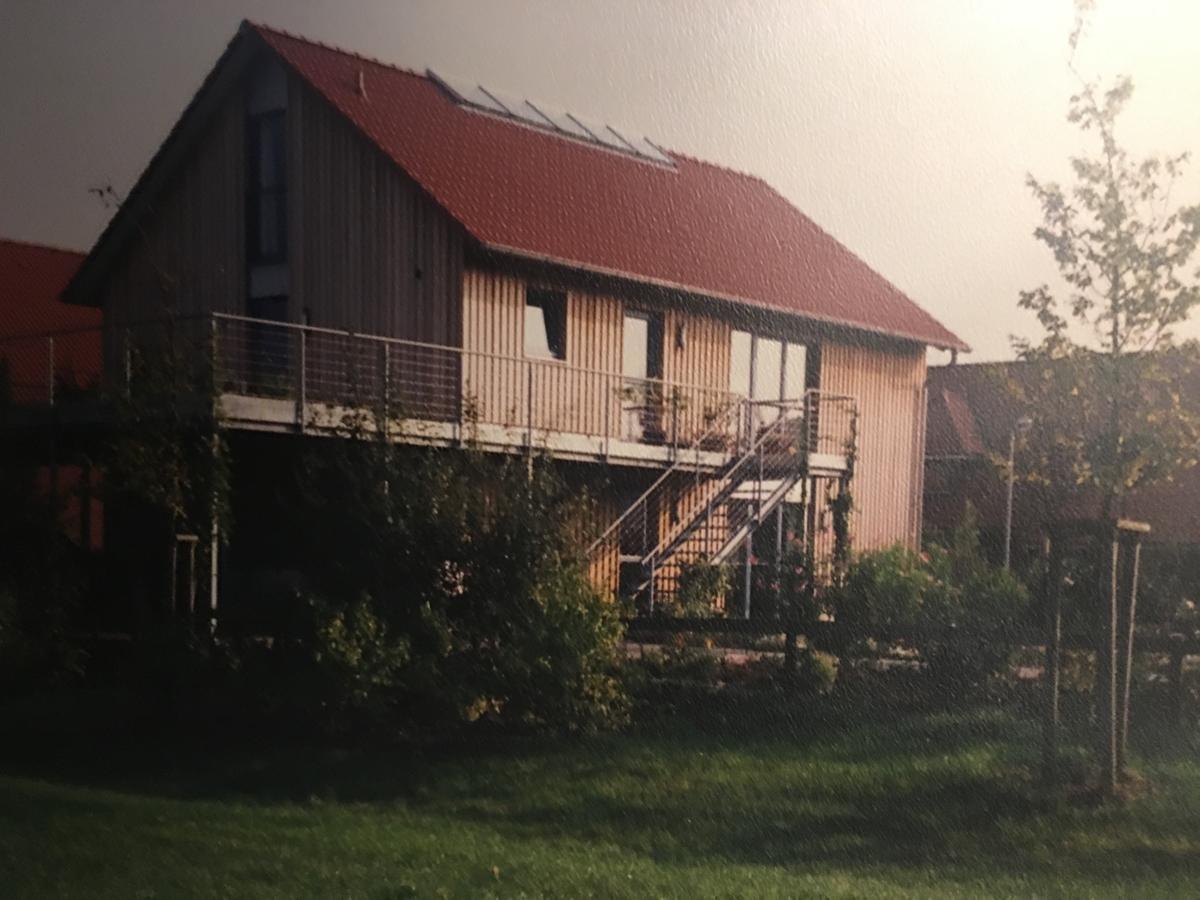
pixel 973 414
pixel 344 234
pixel 48 347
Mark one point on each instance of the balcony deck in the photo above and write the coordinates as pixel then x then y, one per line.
pixel 283 377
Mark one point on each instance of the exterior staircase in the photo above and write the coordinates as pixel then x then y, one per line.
pixel 689 516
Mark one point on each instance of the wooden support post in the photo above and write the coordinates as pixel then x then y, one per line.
pixel 1106 675
pixel 1052 592
pixel 1128 621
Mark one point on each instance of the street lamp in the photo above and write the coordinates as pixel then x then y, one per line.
pixel 1022 426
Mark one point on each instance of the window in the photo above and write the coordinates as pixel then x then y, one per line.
pixel 266 220
pixel 545 324
pixel 763 368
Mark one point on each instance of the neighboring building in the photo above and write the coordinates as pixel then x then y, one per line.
pixel 354 234
pixel 32 366
pixel 972 414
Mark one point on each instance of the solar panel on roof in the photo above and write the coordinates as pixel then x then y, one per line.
pixel 568 124
pixel 469 93
pixel 604 135
pixel 541 118
pixel 622 142
pixel 649 149
pixel 565 123
pixel 509 105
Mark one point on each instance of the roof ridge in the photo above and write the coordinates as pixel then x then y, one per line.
pixel 40 245
pixel 334 48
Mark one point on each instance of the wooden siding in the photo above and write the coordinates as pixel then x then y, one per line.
pixel 888 383
pixel 187 255
pixel 376 254
pixel 582 393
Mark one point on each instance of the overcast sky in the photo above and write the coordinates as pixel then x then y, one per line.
pixel 904 127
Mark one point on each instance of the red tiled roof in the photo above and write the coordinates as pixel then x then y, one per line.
pixel 971 415
pixel 523 191
pixel 31 278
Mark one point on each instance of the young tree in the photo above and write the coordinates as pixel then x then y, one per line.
pixel 1104 386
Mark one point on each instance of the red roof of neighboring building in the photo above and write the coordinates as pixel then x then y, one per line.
pixel 971 415
pixel 520 190
pixel 31 278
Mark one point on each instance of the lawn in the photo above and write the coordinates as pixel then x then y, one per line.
pixel 929 805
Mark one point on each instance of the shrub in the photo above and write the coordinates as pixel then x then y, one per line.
pixel 957 609
pixel 701 586
pixel 884 591
pixel 816 672
pixel 358 663
pixel 472 562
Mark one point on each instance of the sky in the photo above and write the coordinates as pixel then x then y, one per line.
pixel 903 127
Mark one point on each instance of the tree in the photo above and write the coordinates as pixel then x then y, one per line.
pixel 1104 386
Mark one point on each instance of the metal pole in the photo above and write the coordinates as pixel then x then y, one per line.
pixel 749 557
pixel 50 372
pixel 529 405
pixel 302 372
pixel 1008 508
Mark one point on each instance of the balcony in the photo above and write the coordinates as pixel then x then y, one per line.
pixel 284 377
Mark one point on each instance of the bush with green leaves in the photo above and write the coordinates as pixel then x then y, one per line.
pixel 702 585
pixel 473 563
pixel 961 612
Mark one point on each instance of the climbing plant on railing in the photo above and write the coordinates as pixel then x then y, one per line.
pixel 167 454
pixel 840 507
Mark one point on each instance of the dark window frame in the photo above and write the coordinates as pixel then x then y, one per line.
pixel 553 304
pixel 260 194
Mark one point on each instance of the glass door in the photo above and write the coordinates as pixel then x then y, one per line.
pixel 641 371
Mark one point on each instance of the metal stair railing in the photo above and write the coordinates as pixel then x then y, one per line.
pixel 728 431
pixel 775 456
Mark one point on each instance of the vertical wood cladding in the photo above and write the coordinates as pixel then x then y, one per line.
pixel 888 383
pixel 582 393
pixel 187 252
pixel 376 254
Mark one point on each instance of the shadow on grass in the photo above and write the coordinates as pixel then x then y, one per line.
pixel 838 782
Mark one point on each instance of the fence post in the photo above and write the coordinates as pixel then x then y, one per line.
pixel 50 371
pixel 1175 674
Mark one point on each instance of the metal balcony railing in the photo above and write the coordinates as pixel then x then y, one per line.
pixel 309 376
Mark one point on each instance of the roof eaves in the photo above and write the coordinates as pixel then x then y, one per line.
pixel 507 250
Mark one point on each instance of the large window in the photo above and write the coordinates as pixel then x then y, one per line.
pixel 545 324
pixel 266 225
pixel 766 369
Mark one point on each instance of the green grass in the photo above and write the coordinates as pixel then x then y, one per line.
pixel 934 805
